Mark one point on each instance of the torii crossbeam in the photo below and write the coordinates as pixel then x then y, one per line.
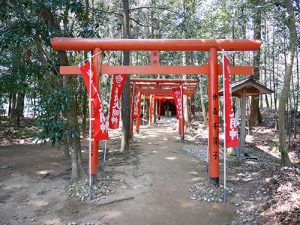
pixel 212 69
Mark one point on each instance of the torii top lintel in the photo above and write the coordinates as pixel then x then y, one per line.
pixel 89 44
pixel 146 80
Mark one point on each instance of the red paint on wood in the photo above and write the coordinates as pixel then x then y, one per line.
pixel 213 115
pixel 61 43
pixel 189 70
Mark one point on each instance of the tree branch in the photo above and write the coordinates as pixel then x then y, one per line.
pixel 152 7
pixel 137 22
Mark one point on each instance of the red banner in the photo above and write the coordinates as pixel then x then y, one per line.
pixel 99 124
pixel 86 73
pixel 116 92
pixel 231 133
pixel 178 101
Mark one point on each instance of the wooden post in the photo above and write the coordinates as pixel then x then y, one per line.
pixel 159 108
pixel 138 120
pixel 131 115
pixel 144 103
pixel 243 122
pixel 154 109
pixel 151 110
pixel 213 117
pixel 182 120
pixel 97 61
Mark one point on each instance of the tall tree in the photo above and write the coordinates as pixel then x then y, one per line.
pixel 72 139
pixel 126 103
pixel 255 115
pixel 291 25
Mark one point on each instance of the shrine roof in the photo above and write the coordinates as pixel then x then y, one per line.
pixel 251 86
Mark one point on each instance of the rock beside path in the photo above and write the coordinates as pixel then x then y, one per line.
pixel 80 189
pixel 203 191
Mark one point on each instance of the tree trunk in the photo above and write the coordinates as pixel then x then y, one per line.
pixel 255 115
pixel 13 104
pixel 297 98
pixel 265 62
pixel 10 104
pixel 202 103
pixel 290 22
pixel 73 128
pixel 85 115
pixel 74 160
pixel 126 104
pixel 20 107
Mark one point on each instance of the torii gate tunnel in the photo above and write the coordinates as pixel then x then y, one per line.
pixel 212 69
pixel 157 90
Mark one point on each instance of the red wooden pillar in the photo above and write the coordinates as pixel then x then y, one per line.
pixel 138 120
pixel 213 117
pixel 159 108
pixel 132 112
pixel 95 144
pixel 182 119
pixel 151 110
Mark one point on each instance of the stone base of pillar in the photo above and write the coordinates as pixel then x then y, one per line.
pixel 215 181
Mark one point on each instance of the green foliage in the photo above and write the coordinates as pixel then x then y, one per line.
pixel 29 64
pixel 52 120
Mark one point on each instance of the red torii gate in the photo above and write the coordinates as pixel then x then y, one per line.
pixel 159 90
pixel 212 69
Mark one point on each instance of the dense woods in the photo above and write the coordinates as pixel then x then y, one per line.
pixel 30 83
pixel 189 157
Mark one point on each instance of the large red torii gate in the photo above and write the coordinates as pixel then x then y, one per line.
pixel 212 69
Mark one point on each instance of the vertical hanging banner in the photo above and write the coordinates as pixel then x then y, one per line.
pixel 99 124
pixel 116 92
pixel 86 74
pixel 178 101
pixel 151 104
pixel 231 133
pixel 138 118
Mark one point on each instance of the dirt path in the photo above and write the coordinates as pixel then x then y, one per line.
pixel 167 202
pixel 158 183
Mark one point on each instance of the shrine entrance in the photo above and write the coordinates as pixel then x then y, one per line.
pixel 161 99
pixel 168 108
pixel 212 69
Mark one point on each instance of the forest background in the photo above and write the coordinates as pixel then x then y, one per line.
pixel 30 83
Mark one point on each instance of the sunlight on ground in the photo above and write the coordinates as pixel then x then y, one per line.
pixel 247 176
pixel 137 186
pixel 44 172
pixel 187 204
pixel 38 202
pixel 152 135
pixel 53 221
pixel 194 173
pixel 272 151
pixel 249 138
pixel 112 214
pixel 197 178
pixel 171 158
pixel 13 186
